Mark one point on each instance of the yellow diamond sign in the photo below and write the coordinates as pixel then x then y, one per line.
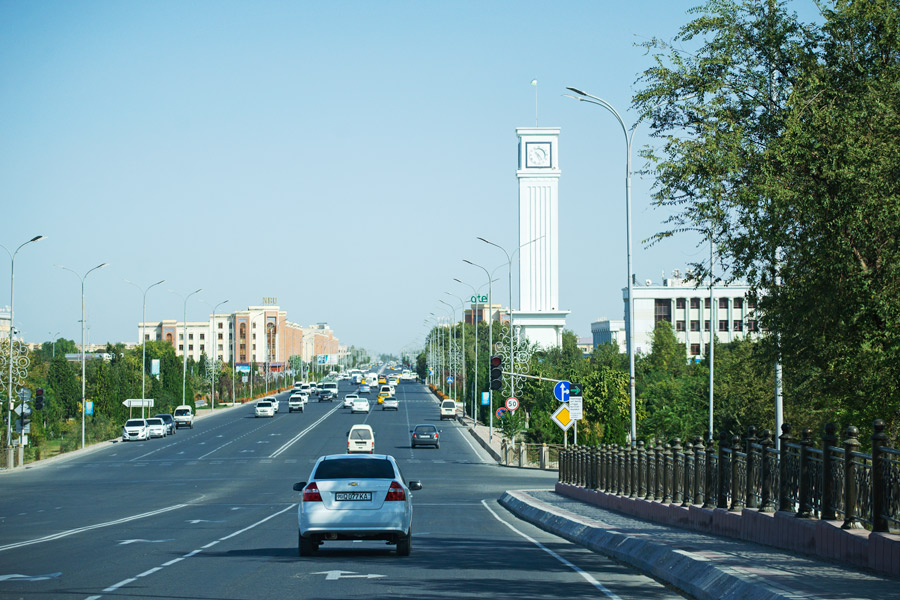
pixel 562 417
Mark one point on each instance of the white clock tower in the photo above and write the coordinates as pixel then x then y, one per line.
pixel 539 317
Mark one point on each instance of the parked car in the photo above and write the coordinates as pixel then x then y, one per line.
pixel 169 420
pixel 355 498
pixel 390 403
pixel 425 435
pixel 156 427
pixel 361 438
pixel 297 401
pixel 184 416
pixel 135 430
pixel 264 408
pixel 448 409
pixel 359 405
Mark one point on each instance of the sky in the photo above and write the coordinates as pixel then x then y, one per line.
pixel 342 157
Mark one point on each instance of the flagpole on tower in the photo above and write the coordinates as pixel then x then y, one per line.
pixel 534 83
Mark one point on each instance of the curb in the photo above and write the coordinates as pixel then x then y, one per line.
pixel 690 573
pixel 483 443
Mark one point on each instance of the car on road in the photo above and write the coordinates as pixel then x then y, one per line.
pixel 169 420
pixel 364 388
pixel 156 427
pixel 359 405
pixel 355 498
pixel 326 395
pixel 448 409
pixel 382 379
pixel 425 435
pixel 135 430
pixel 348 400
pixel 390 403
pixel 329 386
pixel 297 401
pixel 361 438
pixel 184 416
pixel 264 408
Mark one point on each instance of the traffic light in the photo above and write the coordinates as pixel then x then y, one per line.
pixel 496 372
pixel 39 398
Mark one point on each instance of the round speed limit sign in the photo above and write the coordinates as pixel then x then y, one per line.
pixel 512 403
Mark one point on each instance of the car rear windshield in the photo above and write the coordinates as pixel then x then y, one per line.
pixel 182 411
pixel 345 468
pixel 426 429
pixel 360 434
pixel 448 404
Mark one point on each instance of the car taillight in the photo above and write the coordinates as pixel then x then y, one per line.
pixel 435 435
pixel 395 492
pixel 311 493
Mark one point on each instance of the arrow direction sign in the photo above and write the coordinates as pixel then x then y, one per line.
pixel 561 391
pixel 126 542
pixel 138 402
pixel 575 389
pixel 333 575
pixel 562 418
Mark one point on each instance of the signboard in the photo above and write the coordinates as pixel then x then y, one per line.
pixel 243 369
pixel 154 367
pixel 450 379
pixel 485 398
pixel 562 418
pixel 500 412
pixel 575 407
pixel 19 409
pixel 89 407
pixel 19 427
pixel 512 403
pixel 561 391
pixel 138 403
pixel 25 395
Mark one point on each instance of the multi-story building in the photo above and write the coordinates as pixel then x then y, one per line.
pixel 481 312
pixel 259 334
pixel 688 309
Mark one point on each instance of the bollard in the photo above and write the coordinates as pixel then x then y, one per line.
pixel 879 475
pixel 737 500
pixel 709 493
pixel 660 467
pixel 592 469
pixel 699 468
pixel 749 441
pixel 768 473
pixel 688 472
pixel 721 490
pixel 633 472
pixel 620 470
pixel 626 470
pixel 523 454
pixel 545 456
pixel 604 461
pixel 784 499
pixel 650 462
pixel 676 471
pixel 829 439
pixel 804 508
pixel 641 470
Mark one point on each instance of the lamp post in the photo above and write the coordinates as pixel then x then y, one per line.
pixel 53 337
pixel 82 278
pixel 629 331
pixel 184 345
pixel 215 349
pixel 143 340
pixel 12 287
pixel 454 363
pixel 490 346
pixel 462 324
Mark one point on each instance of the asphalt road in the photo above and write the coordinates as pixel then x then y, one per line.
pixel 209 513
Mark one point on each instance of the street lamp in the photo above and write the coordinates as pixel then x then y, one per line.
pixel 629 331
pixel 454 364
pixel 462 324
pixel 82 278
pixel 184 340
pixel 215 349
pixel 53 337
pixel 490 346
pixel 143 340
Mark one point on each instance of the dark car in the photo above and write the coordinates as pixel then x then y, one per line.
pixel 425 435
pixel 326 395
pixel 169 421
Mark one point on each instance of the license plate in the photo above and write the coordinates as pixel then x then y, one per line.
pixel 353 496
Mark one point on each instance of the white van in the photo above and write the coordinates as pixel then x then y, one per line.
pixel 361 438
pixel 184 416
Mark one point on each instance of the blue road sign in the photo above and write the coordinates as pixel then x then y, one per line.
pixel 561 391
pixel 485 398
pixel 450 379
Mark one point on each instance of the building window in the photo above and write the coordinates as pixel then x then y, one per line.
pixel 220 325
pixel 180 337
pixel 723 303
pixel 191 336
pixel 243 347
pixel 706 325
pixel 254 337
pixel 680 303
pixel 695 302
pixel 190 347
pixel 202 336
pixel 169 337
pixel 220 336
pixel 254 326
pixel 737 325
pixel 723 325
pixel 679 325
pixel 695 349
pixel 695 325
pixel 751 303
pixel 738 303
pixel 146 337
pixel 254 347
pixel 706 303
pixel 220 347
pixel 752 325
pixel 202 348
pixel 663 311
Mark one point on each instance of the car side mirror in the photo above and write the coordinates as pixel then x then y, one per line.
pixel 415 485
pixel 298 487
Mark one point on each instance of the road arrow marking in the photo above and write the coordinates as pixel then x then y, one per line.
pixel 17 577
pixel 126 542
pixel 333 575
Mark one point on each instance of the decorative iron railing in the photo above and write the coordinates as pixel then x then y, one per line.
pixel 834 482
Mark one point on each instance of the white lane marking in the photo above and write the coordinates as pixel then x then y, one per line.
pixel 294 439
pixel 18 577
pixel 62 534
pixel 151 452
pixel 464 433
pixel 332 575
pixel 125 582
pixel 134 541
pixel 587 576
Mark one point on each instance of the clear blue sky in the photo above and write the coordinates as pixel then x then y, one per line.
pixel 340 156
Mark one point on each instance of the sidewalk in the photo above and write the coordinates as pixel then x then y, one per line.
pixel 703 566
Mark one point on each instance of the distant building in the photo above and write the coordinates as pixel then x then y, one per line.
pixel 585 344
pixel 688 310
pixel 482 312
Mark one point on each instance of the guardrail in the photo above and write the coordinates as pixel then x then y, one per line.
pixel 541 456
pixel 834 482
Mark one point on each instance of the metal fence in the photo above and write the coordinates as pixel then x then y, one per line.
pixel 541 456
pixel 834 482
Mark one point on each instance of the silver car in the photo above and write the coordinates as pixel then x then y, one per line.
pixel 355 497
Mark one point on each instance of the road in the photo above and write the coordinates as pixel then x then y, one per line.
pixel 210 513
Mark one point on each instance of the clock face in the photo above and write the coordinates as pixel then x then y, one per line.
pixel 537 154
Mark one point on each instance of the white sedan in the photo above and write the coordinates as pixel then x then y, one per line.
pixel 156 427
pixel 359 405
pixel 349 399
pixel 355 497
pixel 390 403
pixel 264 408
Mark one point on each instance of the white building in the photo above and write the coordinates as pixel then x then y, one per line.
pixel 689 311
pixel 539 315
